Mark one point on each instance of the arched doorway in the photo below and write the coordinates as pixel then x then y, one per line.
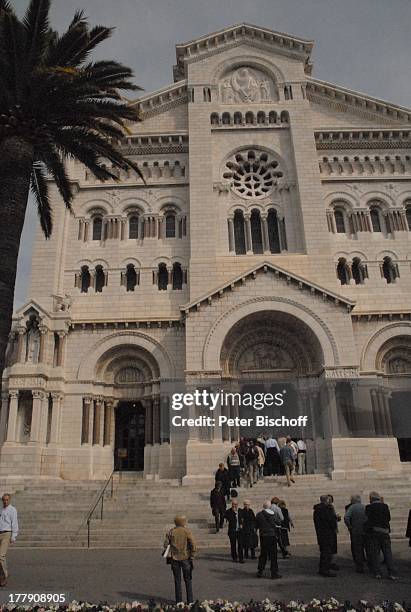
pixel 130 424
pixel 394 359
pixel 272 352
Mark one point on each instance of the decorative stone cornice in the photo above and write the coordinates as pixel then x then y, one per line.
pixel 347 100
pixel 281 274
pixel 155 323
pixel 372 316
pixel 162 100
pixel 363 138
pixel 236 35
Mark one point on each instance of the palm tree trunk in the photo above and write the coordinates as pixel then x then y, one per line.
pixel 16 156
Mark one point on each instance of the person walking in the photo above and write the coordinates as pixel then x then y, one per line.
pixel 218 506
pixel 9 529
pixel 261 460
pixel 275 501
pixel 301 457
pixel 378 536
pixel 288 460
pixel 222 475
pixel 272 457
pixel 325 522
pixel 267 523
pixel 234 467
pixel 249 534
pixel 355 519
pixel 234 518
pixel 251 458
pixel 285 528
pixel 182 551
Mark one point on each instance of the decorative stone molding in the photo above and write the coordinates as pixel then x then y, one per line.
pixel 341 373
pixel 371 138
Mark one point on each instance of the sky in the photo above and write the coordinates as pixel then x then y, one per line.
pixel 360 44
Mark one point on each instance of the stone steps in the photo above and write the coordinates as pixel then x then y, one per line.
pixel 53 514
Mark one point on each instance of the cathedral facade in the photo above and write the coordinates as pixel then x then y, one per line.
pixel 268 248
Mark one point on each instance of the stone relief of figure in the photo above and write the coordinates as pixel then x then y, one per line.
pixel 32 340
pixel 245 85
pixel 399 366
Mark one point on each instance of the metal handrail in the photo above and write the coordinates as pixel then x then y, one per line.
pixel 100 497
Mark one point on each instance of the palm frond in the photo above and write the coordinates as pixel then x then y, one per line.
pixel 39 188
pixel 36 23
pixel 55 166
pixel 95 36
pixel 6 7
pixel 13 49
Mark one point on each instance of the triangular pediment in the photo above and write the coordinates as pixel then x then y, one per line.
pixel 282 275
pixel 218 42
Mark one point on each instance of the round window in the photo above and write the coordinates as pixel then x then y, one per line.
pixel 252 174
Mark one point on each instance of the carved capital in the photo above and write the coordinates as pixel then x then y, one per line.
pixel 38 395
pixel 87 399
pixel 14 394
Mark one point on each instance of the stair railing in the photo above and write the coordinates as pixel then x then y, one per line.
pixel 99 500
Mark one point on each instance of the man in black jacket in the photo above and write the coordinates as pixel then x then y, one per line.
pixel 234 518
pixel 325 521
pixel 218 505
pixel 267 523
pixel 222 475
pixel 378 535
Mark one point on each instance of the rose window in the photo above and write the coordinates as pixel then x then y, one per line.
pixel 252 174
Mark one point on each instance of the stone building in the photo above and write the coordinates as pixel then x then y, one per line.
pixel 269 246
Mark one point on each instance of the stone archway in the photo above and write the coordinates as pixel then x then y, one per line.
pixel 271 352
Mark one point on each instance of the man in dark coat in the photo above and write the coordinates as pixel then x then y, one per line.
pixel 249 530
pixel 222 475
pixel 378 535
pixel 234 518
pixel 218 505
pixel 325 521
pixel 267 524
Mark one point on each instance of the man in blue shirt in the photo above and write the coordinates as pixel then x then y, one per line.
pixel 9 529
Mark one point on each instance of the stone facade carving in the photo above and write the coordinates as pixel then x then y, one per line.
pixel 246 85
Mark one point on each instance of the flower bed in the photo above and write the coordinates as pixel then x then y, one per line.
pixel 219 605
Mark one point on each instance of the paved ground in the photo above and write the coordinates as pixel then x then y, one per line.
pixel 120 575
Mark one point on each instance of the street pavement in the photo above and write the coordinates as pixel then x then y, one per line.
pixel 128 575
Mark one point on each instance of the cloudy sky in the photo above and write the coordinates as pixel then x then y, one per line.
pixel 361 44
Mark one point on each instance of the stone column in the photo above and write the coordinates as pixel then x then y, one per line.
pixel 43 341
pixel 55 419
pixel 3 416
pixel 386 415
pixel 332 429
pixel 61 346
pixel 149 422
pixel 156 421
pixel 248 236
pixel 108 409
pixel 264 231
pixel 97 421
pixel 231 237
pixel 12 416
pixel 21 345
pixel 87 418
pixel 36 414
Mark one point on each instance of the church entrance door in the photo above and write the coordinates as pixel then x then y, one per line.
pixel 130 436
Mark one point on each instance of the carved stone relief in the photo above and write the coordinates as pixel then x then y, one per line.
pixel 245 85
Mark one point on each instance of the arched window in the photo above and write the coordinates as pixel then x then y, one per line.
pixel 214 119
pixel 85 279
pixel 97 228
pixel 285 117
pixel 100 279
pixel 389 270
pixel 375 215
pixel 256 233
pixel 226 118
pixel 238 118
pixel 131 277
pixel 273 233
pixel 408 213
pixel 162 277
pixel 343 271
pixel 339 221
pixel 133 227
pixel 170 225
pixel 272 117
pixel 239 233
pixel 177 276
pixel 358 271
pixel 249 118
pixel 261 117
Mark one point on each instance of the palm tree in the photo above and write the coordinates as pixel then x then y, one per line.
pixel 54 105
